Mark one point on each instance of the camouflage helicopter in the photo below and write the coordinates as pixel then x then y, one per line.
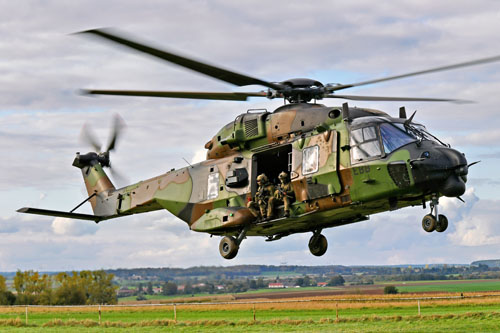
pixel 342 163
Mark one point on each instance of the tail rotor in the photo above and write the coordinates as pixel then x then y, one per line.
pixel 101 154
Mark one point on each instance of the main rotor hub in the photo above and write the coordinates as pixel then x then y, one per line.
pixel 301 90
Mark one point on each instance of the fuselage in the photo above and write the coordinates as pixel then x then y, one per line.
pixel 343 167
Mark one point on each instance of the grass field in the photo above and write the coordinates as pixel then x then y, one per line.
pixel 444 309
pixel 222 296
pixel 355 313
pixel 472 323
pixel 466 286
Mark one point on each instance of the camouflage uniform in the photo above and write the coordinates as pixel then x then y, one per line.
pixel 284 193
pixel 262 205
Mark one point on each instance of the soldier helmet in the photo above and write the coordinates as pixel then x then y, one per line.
pixel 262 178
pixel 283 175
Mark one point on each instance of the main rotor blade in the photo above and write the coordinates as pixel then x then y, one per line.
pixel 197 66
pixel 432 70
pixel 231 96
pixel 395 99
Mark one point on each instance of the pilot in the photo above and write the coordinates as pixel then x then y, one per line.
pixel 262 205
pixel 284 192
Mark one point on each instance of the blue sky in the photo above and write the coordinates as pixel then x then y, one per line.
pixel 42 66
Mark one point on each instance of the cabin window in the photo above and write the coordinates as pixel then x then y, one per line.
pixel 213 186
pixel 364 144
pixel 310 158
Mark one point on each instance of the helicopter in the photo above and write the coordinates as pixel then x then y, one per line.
pixel 344 163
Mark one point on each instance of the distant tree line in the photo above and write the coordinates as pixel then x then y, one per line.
pixel 214 273
pixel 77 288
pixel 234 279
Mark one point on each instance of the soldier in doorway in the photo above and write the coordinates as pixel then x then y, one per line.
pixel 284 193
pixel 262 205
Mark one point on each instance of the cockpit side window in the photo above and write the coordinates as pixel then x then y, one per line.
pixel 364 144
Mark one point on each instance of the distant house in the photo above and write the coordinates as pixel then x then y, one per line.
pixel 322 284
pixel 276 285
pixel 124 292
pixel 219 287
pixel 181 288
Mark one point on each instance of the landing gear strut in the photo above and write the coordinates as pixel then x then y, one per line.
pixel 229 246
pixel 318 244
pixel 435 221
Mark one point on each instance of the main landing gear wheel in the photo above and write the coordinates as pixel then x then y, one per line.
pixel 442 223
pixel 318 245
pixel 429 223
pixel 228 247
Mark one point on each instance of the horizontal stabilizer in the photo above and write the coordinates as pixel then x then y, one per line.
pixel 57 213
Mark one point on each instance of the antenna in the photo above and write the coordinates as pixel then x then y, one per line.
pixel 187 162
pixel 345 112
pixel 402 112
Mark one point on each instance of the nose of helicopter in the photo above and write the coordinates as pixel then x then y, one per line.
pixel 441 169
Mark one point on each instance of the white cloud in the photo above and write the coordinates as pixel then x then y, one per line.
pixel 199 156
pixel 477 222
pixel 476 232
pixel 70 227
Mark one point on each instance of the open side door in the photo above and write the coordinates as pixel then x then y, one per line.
pixel 271 162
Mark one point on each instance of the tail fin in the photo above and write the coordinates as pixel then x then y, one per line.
pixel 102 194
pixel 98 184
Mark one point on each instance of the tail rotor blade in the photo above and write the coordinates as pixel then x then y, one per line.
pixel 88 137
pixel 118 126
pixel 118 177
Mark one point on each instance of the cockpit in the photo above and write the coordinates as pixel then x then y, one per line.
pixel 370 140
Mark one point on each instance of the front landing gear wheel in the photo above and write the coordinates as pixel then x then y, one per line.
pixel 228 248
pixel 442 223
pixel 318 245
pixel 429 223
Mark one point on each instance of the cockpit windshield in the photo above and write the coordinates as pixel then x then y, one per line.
pixel 365 141
pixel 418 131
pixel 425 134
pixel 395 136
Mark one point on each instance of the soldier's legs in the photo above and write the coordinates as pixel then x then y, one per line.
pixel 286 203
pixel 253 208
pixel 262 207
pixel 270 207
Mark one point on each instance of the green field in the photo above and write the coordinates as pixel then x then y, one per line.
pixel 448 318
pixel 452 287
pixel 375 313
pixel 207 295
pixel 304 312
pixel 482 323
